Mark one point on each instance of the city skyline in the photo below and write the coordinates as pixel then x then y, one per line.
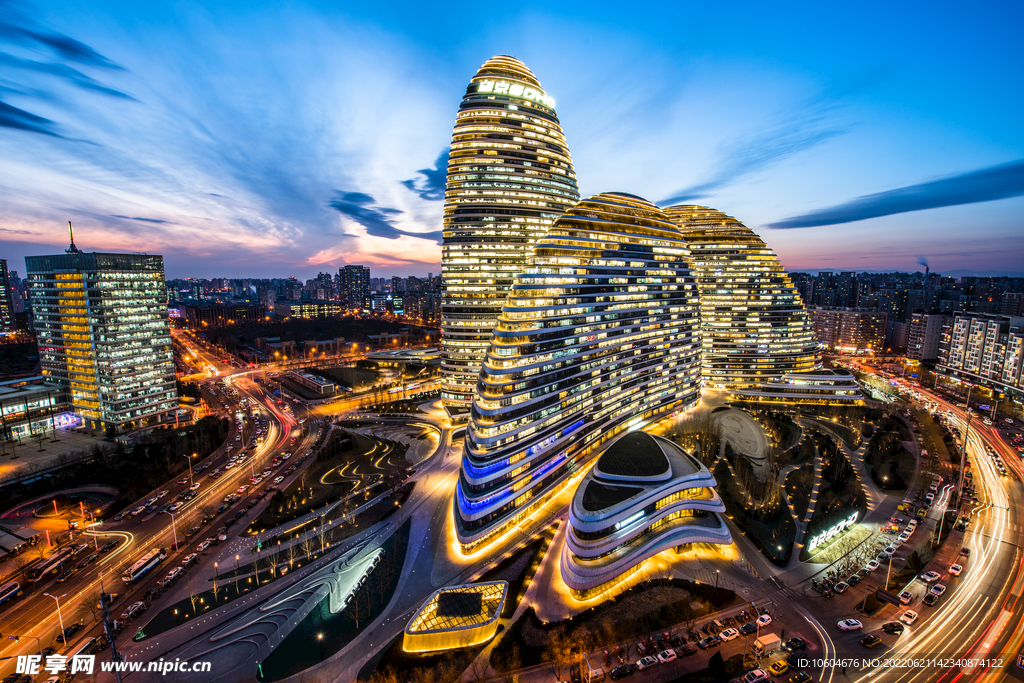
pixel 849 124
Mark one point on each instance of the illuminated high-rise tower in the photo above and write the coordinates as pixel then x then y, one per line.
pixel 509 177
pixel 598 335
pixel 754 325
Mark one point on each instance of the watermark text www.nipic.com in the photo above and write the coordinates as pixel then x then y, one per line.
pixel 57 664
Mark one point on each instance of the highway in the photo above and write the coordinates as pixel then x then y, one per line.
pixel 973 632
pixel 35 615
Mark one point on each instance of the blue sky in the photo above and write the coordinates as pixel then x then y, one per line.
pixel 277 139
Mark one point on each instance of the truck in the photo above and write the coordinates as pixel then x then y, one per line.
pixel 766 644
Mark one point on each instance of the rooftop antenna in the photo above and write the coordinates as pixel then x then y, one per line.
pixel 72 249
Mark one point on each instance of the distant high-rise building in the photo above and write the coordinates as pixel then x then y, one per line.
pixel 6 301
pixel 354 283
pixel 509 176
pixel 924 335
pixel 849 329
pixel 599 334
pixel 985 348
pixel 104 336
pixel 753 323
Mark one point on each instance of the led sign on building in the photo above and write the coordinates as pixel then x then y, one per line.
pixel 832 531
pixel 516 90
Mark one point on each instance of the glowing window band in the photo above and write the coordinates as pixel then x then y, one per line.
pixel 516 90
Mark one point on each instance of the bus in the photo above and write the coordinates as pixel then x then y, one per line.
pixel 52 564
pixel 10 590
pixel 142 566
pixel 88 647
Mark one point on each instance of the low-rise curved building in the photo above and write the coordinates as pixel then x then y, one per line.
pixel 598 335
pixel 814 387
pixel 754 325
pixel 644 495
pixel 456 616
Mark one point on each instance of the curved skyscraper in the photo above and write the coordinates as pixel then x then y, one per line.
pixel 509 176
pixel 599 334
pixel 753 323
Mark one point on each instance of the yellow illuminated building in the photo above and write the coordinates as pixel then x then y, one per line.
pixel 754 325
pixel 103 334
pixel 509 176
pixel 456 616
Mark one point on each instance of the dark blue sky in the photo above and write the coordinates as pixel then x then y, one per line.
pixel 272 140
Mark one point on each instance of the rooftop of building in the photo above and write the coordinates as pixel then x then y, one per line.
pixel 457 607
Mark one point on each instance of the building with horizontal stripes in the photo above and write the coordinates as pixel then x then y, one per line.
pixel 598 335
pixel 754 326
pixel 643 496
pixel 509 177
pixel 813 387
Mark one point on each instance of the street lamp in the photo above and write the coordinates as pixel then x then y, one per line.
pixel 189 457
pixel 61 618
pixel 174 529
pixel 320 639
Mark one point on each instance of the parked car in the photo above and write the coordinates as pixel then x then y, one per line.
pixel 931 576
pixel 850 625
pixel 667 656
pixel 906 597
pixel 755 676
pixel 764 620
pixel 646 663
pixel 729 634
pixel 709 642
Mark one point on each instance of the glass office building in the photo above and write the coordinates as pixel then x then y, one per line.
pixel 598 335
pixel 754 326
pixel 103 333
pixel 509 176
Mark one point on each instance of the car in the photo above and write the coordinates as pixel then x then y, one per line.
pixel 931 576
pixel 89 560
pixel 175 506
pixel 621 671
pixel 135 609
pixel 709 642
pixel 850 625
pixel 853 580
pixel 955 569
pixel 794 644
pixel 192 532
pixel 755 676
pixel 666 656
pixel 906 597
pixel 908 617
pixel 191 558
pixel 965 552
pixel 748 628
pixel 938 589
pixel 872 565
pixel 870 640
pixel 729 634
pixel 800 677
pixel 67 574
pixel 686 650
pixel 764 620
pixel 65 635
pixel 840 587
pixel 138 511
pixel 903 538
pixel 646 663
pixel 108 546
pixel 930 599
pixel 889 552
pixel 893 628
pixel 183 480
pixel 778 668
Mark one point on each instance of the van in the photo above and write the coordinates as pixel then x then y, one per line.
pixel 86 648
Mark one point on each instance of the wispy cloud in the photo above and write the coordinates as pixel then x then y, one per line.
pixel 378 220
pixel 431 185
pixel 70 74
pixel 807 127
pixel 983 185
pixel 139 218
pixel 19 119
pixel 16 27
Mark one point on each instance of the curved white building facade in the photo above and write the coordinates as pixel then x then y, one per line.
pixel 599 334
pixel 509 177
pixel 754 325
pixel 644 495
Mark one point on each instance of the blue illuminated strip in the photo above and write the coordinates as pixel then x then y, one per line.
pixel 478 471
pixel 574 426
pixel 470 504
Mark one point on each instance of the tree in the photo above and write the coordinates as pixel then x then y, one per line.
pixel 509 661
pixel 716 665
